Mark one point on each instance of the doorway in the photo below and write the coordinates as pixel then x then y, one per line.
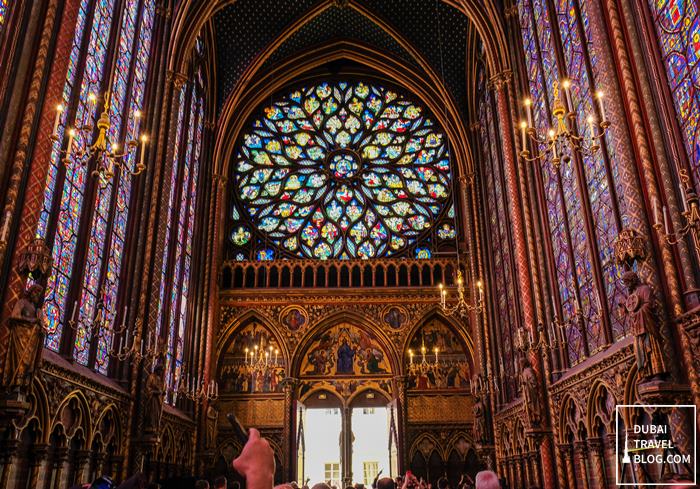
pixel 370 446
pixel 319 440
pixel 331 432
pixel 370 422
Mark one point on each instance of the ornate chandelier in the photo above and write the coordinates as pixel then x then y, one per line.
pixel 259 361
pixel 564 138
pixel 415 368
pixel 105 155
pixel 462 307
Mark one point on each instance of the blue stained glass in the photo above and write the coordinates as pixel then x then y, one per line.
pixel 121 212
pixel 265 254
pixel 596 175
pixel 423 253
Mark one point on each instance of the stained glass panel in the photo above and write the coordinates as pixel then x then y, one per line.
pixel 91 297
pixel 338 170
pixel 497 208
pixel 543 72
pixel 596 175
pixel 677 24
pixel 107 226
pixel 3 11
pixel 71 201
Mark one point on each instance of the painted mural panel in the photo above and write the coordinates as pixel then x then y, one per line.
pixel 437 359
pixel 344 350
pixel 253 363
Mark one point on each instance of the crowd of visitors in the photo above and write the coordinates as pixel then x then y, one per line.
pixel 256 464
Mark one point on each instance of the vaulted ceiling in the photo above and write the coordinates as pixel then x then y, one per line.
pixel 417 32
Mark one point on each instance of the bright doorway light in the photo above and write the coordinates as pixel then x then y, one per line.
pixel 370 447
pixel 322 443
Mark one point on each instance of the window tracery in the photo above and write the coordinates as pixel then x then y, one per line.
pixel 342 170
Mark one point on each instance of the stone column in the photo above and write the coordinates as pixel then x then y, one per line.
pixel 581 449
pixel 499 83
pixel 609 457
pixel 7 461
pixel 568 456
pixel 37 457
pixel 511 471
pixel 81 466
pixel 289 432
pixel 59 462
pixel 401 387
pixel 346 447
pixel 596 449
pixel 518 466
pixel 535 468
pixel 527 474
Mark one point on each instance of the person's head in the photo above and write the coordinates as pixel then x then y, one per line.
pixel 321 485
pixel 443 483
pixel 386 483
pixel 201 484
pixel 487 480
pixel 220 483
pixel 103 482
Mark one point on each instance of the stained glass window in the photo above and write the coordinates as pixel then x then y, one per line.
pixel 341 170
pixel 179 232
pixel 567 197
pixel 3 11
pixel 499 233
pixel 677 25
pixel 107 214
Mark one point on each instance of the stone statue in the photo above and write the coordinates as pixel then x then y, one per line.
pixel 153 400
pixel 479 419
pixel 26 338
pixel 642 312
pixel 531 394
pixel 212 423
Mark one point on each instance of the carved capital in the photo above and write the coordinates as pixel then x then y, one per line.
pixel 219 179
pixel 500 80
pixel 35 261
pixel 629 247
pixel 596 445
pixel 177 79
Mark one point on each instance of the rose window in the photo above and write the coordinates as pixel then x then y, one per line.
pixel 341 170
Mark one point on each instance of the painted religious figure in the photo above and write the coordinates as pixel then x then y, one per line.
pixel 346 356
pixel 293 319
pixel 642 312
pixel 437 359
pixel 395 317
pixel 344 350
